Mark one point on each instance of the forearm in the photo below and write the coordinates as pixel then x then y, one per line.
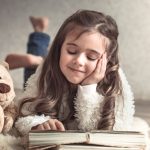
pixel 24 124
pixel 87 105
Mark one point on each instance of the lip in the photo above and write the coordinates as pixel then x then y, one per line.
pixel 76 70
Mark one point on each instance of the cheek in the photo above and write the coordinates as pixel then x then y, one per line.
pixel 64 60
pixel 60 64
pixel 91 67
pixel 61 61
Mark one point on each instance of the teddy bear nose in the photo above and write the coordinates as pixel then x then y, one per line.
pixel 4 88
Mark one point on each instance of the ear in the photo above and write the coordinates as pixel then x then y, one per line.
pixel 5 64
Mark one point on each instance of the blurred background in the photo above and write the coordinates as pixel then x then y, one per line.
pixel 132 18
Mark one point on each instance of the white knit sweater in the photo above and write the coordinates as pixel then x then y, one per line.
pixel 88 104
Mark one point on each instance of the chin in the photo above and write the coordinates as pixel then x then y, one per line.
pixel 75 82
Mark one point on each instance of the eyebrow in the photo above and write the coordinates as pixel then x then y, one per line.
pixel 94 51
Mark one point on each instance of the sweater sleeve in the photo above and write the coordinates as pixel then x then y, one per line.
pixel 124 107
pixel 87 105
pixel 24 124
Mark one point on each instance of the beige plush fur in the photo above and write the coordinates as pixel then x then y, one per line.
pixel 7 94
pixel 8 142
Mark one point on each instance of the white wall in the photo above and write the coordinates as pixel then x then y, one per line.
pixel 132 18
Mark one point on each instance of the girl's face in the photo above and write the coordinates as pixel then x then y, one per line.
pixel 79 56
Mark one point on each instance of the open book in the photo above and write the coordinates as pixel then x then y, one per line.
pixel 84 147
pixel 59 139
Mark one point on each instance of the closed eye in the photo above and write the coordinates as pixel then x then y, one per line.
pixel 72 52
pixel 92 57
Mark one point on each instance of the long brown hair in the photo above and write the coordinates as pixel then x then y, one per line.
pixel 52 84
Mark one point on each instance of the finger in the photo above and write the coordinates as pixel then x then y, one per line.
pixel 40 127
pixel 46 126
pixel 98 66
pixel 52 124
pixel 100 63
pixel 104 64
pixel 59 126
pixel 34 128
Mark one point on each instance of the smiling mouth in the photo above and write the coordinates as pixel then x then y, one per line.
pixel 76 70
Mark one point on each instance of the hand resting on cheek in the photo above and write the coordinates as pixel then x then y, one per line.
pixel 98 74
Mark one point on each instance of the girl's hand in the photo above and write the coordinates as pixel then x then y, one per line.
pixel 51 124
pixel 98 74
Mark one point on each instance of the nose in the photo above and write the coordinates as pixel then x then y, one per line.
pixel 79 60
pixel 4 88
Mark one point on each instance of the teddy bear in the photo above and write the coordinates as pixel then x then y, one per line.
pixel 7 94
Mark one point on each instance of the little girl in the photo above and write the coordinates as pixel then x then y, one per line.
pixel 80 85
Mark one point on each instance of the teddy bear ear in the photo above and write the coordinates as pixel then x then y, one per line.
pixel 5 64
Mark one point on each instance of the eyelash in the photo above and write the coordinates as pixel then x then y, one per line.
pixel 70 52
pixel 91 59
pixel 75 52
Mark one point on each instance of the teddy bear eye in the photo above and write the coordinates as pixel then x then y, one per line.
pixel 0 77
